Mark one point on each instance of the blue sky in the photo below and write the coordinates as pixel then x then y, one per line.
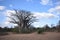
pixel 46 11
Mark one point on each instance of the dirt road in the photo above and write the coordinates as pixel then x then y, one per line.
pixel 33 36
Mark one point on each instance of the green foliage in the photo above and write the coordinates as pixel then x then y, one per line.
pixel 16 30
pixel 25 31
pixel 40 30
pixel 29 30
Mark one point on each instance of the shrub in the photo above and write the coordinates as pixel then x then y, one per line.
pixel 25 31
pixel 16 30
pixel 40 31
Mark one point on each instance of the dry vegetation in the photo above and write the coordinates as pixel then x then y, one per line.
pixel 32 36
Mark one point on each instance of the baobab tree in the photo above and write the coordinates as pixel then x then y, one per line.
pixel 22 18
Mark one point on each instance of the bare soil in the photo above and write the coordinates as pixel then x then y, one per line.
pixel 32 36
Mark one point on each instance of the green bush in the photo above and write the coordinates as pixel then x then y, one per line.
pixel 39 31
pixel 15 30
pixel 25 31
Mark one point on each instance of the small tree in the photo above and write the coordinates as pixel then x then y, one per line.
pixel 47 28
pixel 0 29
pixel 53 27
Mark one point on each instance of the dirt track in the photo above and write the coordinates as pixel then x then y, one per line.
pixel 33 36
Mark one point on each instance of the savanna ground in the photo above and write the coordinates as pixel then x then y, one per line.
pixel 32 36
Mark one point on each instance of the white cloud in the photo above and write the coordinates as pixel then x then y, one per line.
pixel 51 10
pixel 46 2
pixel 58 7
pixel 36 24
pixel 15 25
pixel 6 23
pixel 55 10
pixel 52 13
pixel 9 12
pixel 7 19
pixel 39 15
pixel 2 7
pixel 43 16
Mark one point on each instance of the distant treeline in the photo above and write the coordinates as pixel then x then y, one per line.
pixel 33 29
pixel 5 29
pixel 15 29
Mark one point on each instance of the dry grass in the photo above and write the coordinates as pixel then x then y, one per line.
pixel 33 36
